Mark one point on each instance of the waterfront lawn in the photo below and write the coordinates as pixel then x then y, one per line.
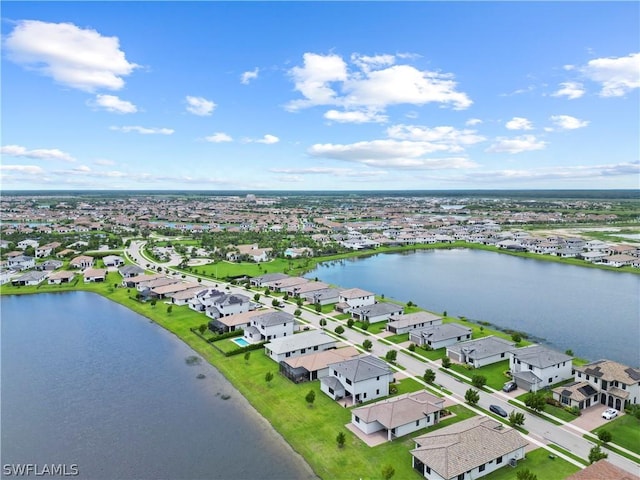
pixel 625 432
pixel 400 338
pixel 493 373
pixel 539 463
pixel 438 354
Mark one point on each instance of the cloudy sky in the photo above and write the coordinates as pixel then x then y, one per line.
pixel 320 96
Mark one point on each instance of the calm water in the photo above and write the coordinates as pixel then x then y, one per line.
pixel 86 381
pixel 596 313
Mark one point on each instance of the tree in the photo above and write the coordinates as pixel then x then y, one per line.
pixel 596 454
pixel 516 337
pixel 299 302
pixel 446 362
pixel 526 474
pixel 339 330
pixel 365 325
pixel 516 419
pixel 268 377
pixel 340 439
pixel 569 352
pixel 410 303
pixel 202 328
pixel 479 381
pixel 412 347
pixel 536 401
pixel 323 322
pixel 388 471
pixel 350 323
pixel 169 309
pixel 391 356
pixel 429 376
pixel 256 297
pixel 472 396
pixel 367 345
pixel 153 303
pixel 297 312
pixel 247 355
pixel 310 398
pixel 604 436
pixel 275 302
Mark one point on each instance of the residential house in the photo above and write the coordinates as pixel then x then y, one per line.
pixel 269 325
pixel 378 312
pixel 602 470
pixel 50 265
pixel 267 277
pixel 164 291
pixel 354 297
pixel 227 304
pixel 95 275
pixel 467 450
pixel 617 385
pixel 252 251
pixel 24 244
pixel 231 323
pixel 20 262
pixel 361 379
pixel 112 261
pixel 439 336
pixel 47 250
pixel 63 276
pixel 282 348
pixel 302 288
pixel 140 279
pixel 183 297
pixel 298 252
pixel 619 260
pixel 399 416
pixel 204 299
pixel 480 352
pixel 537 366
pixel 313 366
pixel 81 262
pixel 576 394
pixel 129 271
pixel 282 284
pixel 145 287
pixel 33 277
pixel 413 321
pixel 326 296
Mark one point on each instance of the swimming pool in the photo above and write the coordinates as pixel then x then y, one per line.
pixel 240 341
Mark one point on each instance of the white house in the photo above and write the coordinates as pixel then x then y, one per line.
pixel 82 262
pixel 46 250
pixel 467 450
pixel 228 304
pixel 537 366
pixel 399 416
pixel 33 277
pixel 610 383
pixel 480 352
pixel 281 284
pixel 439 336
pixel 325 296
pixel 312 366
pixel 353 298
pixel 362 379
pixel 63 276
pixel 231 323
pixel 113 261
pixel 24 244
pixel 302 343
pixel 269 325
pixel 412 321
pixel 378 312
pixel 21 262
pixel 267 277
pixel 95 275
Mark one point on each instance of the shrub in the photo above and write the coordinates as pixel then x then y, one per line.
pixel 339 330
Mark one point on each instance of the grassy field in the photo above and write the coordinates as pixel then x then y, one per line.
pixel 493 373
pixel 625 432
pixel 539 463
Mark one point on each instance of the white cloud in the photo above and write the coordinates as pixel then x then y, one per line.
pixel 38 153
pixel 75 57
pixel 218 137
pixel 143 130
pixel 519 123
pixel 567 122
pixel 524 143
pixel 25 169
pixel 374 83
pixel 355 116
pixel 200 106
pixel 268 139
pixel 473 122
pixel 571 90
pixel 448 138
pixel 617 75
pixel 246 77
pixel 112 103
pixel 559 173
pixel 104 162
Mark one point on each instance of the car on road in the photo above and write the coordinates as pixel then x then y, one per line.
pixel 498 410
pixel 509 387
pixel 610 413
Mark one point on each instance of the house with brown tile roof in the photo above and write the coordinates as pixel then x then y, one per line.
pixel 617 385
pixel 471 448
pixel 313 366
pixel 602 470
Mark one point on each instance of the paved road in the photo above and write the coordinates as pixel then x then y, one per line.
pixel 541 432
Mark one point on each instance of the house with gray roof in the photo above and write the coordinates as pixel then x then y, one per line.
pixel 227 304
pixel 49 265
pixel 34 277
pixel 281 284
pixel 302 288
pixel 267 277
pixel 312 366
pixel 439 336
pixel 113 261
pixel 62 276
pixel 468 449
pixel 480 352
pixel 270 325
pixel 326 296
pixel 129 271
pixel 354 297
pixel 399 416
pixel 21 262
pixel 617 385
pixel 413 321
pixel 302 343
pixel 361 379
pixel 378 312
pixel 537 366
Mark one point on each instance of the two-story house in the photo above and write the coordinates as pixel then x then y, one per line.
pixel 439 336
pixel 378 312
pixel 280 349
pixel 359 379
pixel 227 304
pixel 536 366
pixel 353 298
pixel 269 325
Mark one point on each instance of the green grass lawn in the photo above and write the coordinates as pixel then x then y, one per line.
pixel 557 412
pixel 374 328
pixel 431 354
pixel 494 373
pixel 403 337
pixel 539 463
pixel 625 431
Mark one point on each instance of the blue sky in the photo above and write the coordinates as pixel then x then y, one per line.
pixel 320 96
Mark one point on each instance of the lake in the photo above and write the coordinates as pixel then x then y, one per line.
pixel 86 381
pixel 595 313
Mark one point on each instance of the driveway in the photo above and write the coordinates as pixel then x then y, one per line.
pixel 592 417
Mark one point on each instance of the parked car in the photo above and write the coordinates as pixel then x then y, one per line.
pixel 498 410
pixel 509 387
pixel 610 413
